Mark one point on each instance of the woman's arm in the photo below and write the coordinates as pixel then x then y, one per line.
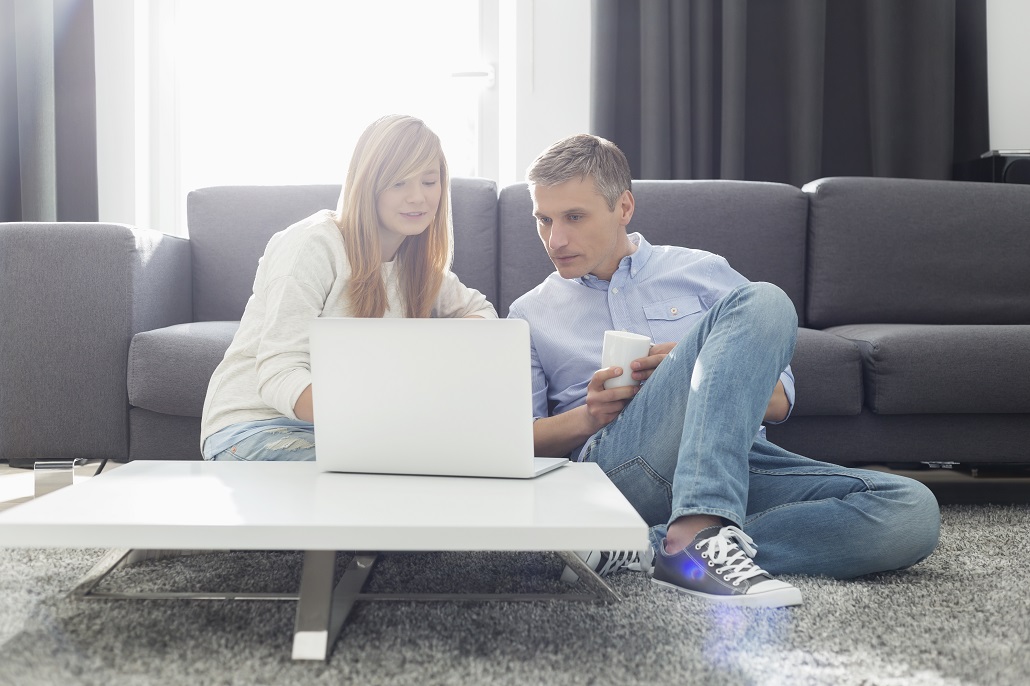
pixel 299 275
pixel 455 299
pixel 304 409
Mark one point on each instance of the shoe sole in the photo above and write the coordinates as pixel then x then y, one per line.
pixel 785 597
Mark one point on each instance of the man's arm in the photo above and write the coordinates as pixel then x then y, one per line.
pixel 556 436
pixel 779 405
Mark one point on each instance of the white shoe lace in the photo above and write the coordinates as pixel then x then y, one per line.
pixel 734 557
pixel 617 559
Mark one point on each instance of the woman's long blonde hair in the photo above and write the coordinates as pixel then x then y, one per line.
pixel 392 149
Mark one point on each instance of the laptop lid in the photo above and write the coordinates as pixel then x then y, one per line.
pixel 423 396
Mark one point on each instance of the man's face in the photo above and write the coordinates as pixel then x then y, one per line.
pixel 582 236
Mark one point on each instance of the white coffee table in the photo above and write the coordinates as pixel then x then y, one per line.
pixel 193 505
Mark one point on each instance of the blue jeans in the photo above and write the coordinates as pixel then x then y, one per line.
pixel 283 443
pixel 688 444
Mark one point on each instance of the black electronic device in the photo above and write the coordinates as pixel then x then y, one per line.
pixel 997 166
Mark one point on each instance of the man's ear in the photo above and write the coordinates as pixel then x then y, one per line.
pixel 625 207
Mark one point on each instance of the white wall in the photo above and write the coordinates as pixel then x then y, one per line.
pixel 137 178
pixel 1008 73
pixel 540 49
pixel 549 96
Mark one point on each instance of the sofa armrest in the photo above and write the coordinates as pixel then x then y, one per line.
pixel 72 295
pixel 162 292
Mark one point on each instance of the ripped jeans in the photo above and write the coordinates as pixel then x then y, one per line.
pixel 282 443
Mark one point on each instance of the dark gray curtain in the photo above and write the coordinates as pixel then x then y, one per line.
pixel 48 149
pixel 791 90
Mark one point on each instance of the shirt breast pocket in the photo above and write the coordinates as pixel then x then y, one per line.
pixel 670 320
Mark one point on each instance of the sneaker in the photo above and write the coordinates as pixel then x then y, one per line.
pixel 718 567
pixel 606 562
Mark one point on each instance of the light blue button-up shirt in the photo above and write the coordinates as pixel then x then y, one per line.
pixel 658 291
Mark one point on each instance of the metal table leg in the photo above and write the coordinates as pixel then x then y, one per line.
pixel 322 610
pixel 601 589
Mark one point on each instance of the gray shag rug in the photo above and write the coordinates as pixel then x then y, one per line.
pixel 960 617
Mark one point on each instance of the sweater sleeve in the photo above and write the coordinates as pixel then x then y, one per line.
pixel 458 300
pixel 282 358
pixel 293 289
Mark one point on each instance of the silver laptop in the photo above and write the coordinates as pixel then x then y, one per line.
pixel 424 396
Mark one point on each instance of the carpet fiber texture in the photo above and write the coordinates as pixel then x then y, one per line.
pixel 960 617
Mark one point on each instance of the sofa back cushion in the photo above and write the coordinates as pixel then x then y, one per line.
pixel 759 227
pixel 917 252
pixel 229 227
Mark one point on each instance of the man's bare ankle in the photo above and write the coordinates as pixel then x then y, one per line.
pixel 681 533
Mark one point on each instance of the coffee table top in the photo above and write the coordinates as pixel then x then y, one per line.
pixel 196 505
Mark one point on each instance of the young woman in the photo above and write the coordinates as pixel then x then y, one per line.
pixel 385 252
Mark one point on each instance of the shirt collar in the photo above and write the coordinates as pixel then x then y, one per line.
pixel 640 256
pixel 635 261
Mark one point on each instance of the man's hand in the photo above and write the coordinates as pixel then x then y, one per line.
pixel 645 366
pixel 605 404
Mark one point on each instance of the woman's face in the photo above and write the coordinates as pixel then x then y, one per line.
pixel 407 207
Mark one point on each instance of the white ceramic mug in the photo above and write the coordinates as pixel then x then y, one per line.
pixel 619 349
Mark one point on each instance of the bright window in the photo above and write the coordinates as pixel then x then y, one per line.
pixel 275 92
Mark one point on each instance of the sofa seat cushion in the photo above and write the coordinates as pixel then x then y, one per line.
pixel 943 369
pixel 827 375
pixel 169 368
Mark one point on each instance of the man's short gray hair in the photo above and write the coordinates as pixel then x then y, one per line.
pixel 578 157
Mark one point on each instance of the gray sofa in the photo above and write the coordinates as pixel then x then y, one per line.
pixel 913 300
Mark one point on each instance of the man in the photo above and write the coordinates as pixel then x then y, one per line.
pixel 686 446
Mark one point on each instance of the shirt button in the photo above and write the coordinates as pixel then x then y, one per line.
pixel 673 310
pixel 615 290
